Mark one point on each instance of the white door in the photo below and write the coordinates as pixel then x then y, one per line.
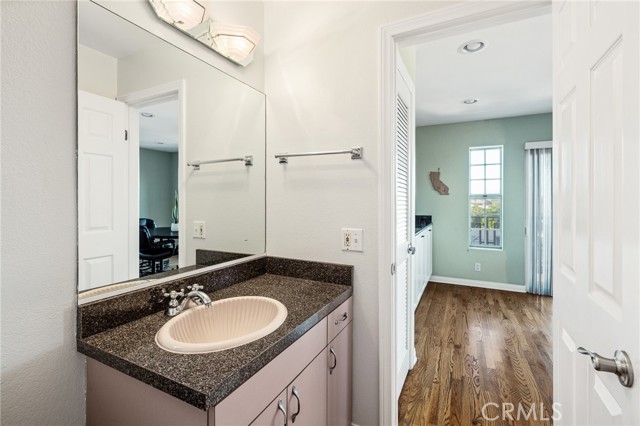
pixel 597 219
pixel 102 191
pixel 405 223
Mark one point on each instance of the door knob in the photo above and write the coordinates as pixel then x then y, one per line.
pixel 411 249
pixel 620 365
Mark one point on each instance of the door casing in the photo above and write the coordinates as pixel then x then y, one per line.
pixel 441 23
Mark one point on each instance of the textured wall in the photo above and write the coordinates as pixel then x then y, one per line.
pixel 43 377
pixel 447 146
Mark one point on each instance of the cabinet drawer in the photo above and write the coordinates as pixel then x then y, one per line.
pixel 249 400
pixel 339 318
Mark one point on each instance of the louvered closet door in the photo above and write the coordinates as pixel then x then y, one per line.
pixel 404 135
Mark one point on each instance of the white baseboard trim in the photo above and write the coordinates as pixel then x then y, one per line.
pixel 475 283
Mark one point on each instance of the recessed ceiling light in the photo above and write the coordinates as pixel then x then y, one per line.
pixel 146 114
pixel 472 46
pixel 470 101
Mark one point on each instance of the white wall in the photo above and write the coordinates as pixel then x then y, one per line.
pixel 322 85
pixel 235 12
pixel 43 379
pixel 97 72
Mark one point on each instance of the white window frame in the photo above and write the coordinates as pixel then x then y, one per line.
pixel 485 197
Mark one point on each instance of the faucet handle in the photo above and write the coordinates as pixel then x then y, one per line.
pixel 195 287
pixel 174 296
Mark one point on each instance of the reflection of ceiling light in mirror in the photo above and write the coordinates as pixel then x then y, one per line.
pixel 146 114
pixel 184 14
pixel 470 101
pixel 472 46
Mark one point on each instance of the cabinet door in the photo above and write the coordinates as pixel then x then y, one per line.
pixel 275 414
pixel 429 253
pixel 308 395
pixel 419 268
pixel 339 379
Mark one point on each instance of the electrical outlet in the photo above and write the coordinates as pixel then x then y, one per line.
pixel 478 267
pixel 351 239
pixel 199 229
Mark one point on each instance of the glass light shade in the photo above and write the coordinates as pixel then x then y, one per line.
pixel 234 41
pixel 183 14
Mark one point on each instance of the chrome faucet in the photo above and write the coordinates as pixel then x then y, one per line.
pixel 174 308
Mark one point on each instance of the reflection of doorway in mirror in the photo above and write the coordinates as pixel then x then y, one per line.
pixel 157 114
pixel 158 173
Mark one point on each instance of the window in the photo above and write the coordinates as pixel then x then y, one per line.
pixel 485 197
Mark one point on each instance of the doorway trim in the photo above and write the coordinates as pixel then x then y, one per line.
pixel 172 90
pixel 438 24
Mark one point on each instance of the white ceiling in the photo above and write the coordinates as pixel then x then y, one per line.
pixel 160 132
pixel 511 76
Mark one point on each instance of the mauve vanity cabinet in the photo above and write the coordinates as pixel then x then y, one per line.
pixel 317 366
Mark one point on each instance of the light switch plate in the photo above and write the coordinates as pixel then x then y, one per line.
pixel 199 229
pixel 351 239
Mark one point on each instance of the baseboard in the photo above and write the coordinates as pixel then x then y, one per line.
pixel 475 283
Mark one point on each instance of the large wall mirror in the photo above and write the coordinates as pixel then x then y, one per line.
pixel 147 112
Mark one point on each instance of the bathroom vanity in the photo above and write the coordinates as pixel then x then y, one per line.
pixel 300 373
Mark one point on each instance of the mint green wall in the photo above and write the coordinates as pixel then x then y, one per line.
pixel 446 146
pixel 158 181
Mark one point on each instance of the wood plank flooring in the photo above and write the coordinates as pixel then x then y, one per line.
pixel 477 346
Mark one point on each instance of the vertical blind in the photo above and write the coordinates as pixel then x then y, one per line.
pixel 539 228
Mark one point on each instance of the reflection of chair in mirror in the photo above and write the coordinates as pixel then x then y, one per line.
pixel 152 255
pixel 151 224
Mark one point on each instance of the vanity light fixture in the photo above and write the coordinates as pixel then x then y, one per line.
pixel 470 101
pixel 472 46
pixel 234 42
pixel 182 14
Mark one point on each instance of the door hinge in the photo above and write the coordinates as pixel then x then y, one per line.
pixel 126 135
pixel 393 269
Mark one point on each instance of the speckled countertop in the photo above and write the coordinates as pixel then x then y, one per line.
pixel 203 380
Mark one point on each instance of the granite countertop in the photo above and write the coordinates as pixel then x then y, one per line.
pixel 203 380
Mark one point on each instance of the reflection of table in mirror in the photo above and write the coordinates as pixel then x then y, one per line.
pixel 163 233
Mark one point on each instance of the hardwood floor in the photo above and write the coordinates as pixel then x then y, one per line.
pixel 477 346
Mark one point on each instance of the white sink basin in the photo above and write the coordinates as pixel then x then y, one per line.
pixel 228 323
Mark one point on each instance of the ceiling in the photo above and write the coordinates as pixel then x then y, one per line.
pixel 160 132
pixel 511 76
